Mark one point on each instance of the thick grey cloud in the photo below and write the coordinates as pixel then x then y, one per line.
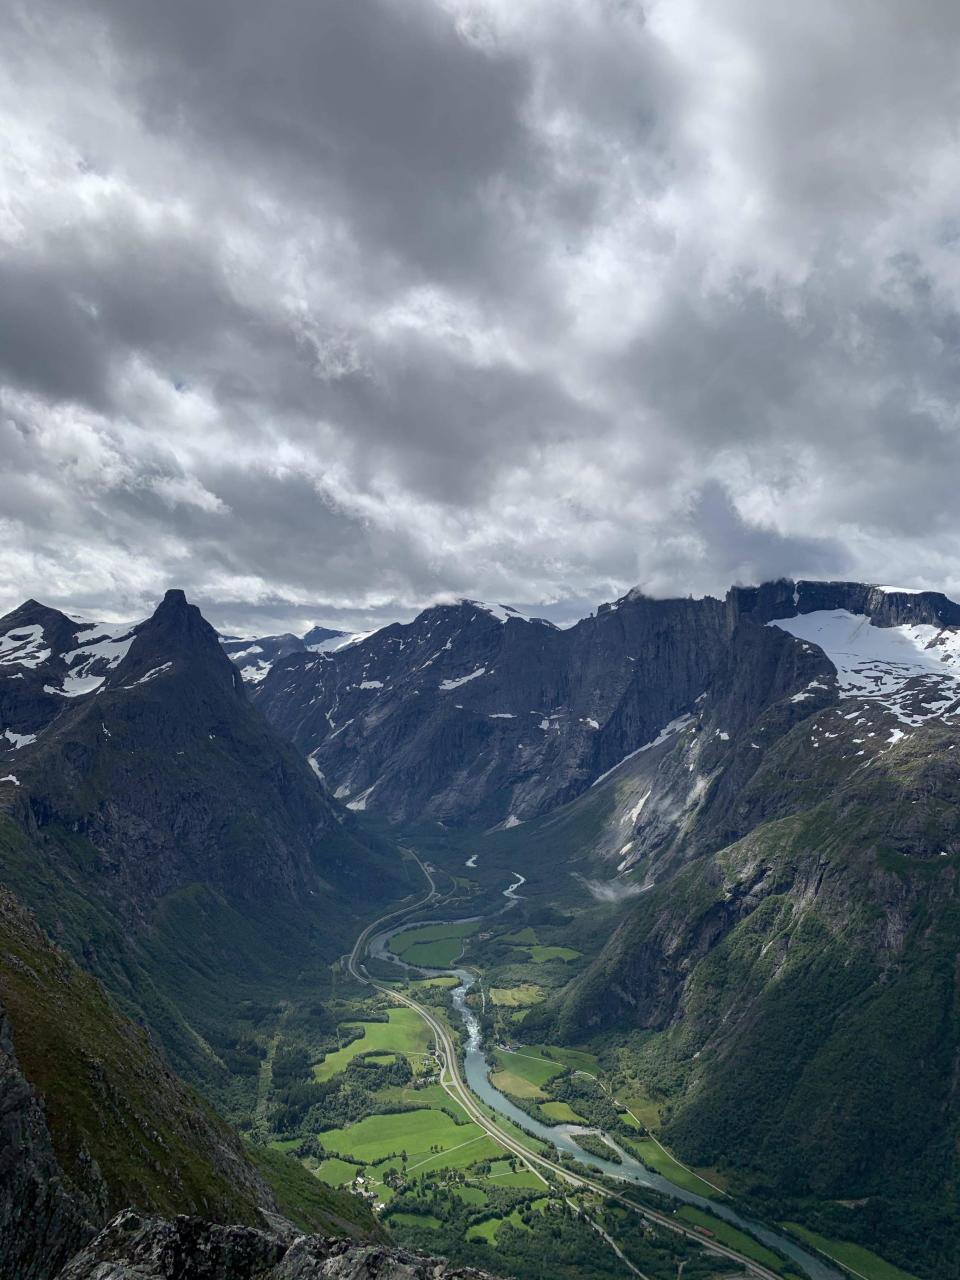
pixel 323 310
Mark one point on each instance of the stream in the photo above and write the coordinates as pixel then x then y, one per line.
pixel 563 1136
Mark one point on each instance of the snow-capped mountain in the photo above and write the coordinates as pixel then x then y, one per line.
pixel 254 656
pixel 474 714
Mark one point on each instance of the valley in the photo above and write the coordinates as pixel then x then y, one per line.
pixel 422 1192
pixel 669 990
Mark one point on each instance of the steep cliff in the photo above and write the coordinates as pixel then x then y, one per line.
pixel 475 715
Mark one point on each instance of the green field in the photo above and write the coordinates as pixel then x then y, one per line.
pixel 730 1236
pixel 578 1059
pixel 502 1174
pixel 528 1065
pixel 431 1095
pixel 384 1137
pixel 415 1220
pixel 526 993
pixel 514 1085
pixel 540 955
pixel 432 945
pixel 661 1161
pixel 335 1172
pixel 442 980
pixel 406 1032
pixel 471 1195
pixel 561 1112
pixel 521 937
pixel 435 955
pixel 853 1256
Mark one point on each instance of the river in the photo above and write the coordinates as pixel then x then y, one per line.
pixel 563 1136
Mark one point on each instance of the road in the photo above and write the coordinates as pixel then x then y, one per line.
pixel 457 1088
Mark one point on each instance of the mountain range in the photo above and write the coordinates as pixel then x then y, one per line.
pixel 762 788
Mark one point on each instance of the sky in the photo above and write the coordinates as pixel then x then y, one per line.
pixel 326 309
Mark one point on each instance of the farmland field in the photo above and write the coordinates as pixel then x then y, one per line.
pixel 661 1161
pixel 405 1033
pixel 431 945
pixel 526 993
pixel 336 1172
pixel 381 1137
pixel 540 955
pixel 528 1066
pixel 561 1112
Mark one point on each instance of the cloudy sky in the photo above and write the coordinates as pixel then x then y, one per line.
pixel 323 308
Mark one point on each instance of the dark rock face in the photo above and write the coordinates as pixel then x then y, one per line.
pixel 164 767
pixel 133 1247
pixel 473 715
pixel 476 716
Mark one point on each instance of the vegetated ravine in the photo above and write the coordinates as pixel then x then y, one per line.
pixel 563 1136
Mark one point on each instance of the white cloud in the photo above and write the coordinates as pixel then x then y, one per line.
pixel 570 296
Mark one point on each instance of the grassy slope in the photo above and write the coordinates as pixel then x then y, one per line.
pixel 107 1095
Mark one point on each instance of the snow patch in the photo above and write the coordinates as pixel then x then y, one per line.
pixel 151 675
pixel 23 646
pixel 455 684
pixel 501 715
pixel 360 802
pixel 912 671
pixel 335 643
pixel 637 809
pixel 11 778
pixel 18 739
pixel 90 662
pixel 370 684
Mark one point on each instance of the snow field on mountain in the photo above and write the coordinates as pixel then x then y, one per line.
pixel 898 667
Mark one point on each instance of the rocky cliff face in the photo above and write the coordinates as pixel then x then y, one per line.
pixel 134 1247
pixel 475 715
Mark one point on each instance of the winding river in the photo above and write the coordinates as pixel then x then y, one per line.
pixel 563 1136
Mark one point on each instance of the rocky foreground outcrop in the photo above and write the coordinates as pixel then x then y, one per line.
pixel 135 1247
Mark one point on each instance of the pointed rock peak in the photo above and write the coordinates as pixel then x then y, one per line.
pixel 176 639
pixel 176 620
